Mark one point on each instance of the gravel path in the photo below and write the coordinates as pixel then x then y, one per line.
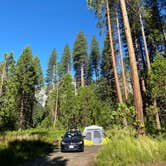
pixel 57 158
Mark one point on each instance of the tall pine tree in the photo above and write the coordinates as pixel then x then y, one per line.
pixel 51 70
pixel 27 81
pixel 66 60
pixel 95 57
pixel 80 58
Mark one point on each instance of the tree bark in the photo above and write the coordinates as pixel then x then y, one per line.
pixel 156 115
pixel 134 71
pixel 68 69
pixel 121 60
pixel 56 105
pixel 119 95
pixel 3 78
pixel 53 77
pixel 145 43
pixel 82 75
pixel 21 116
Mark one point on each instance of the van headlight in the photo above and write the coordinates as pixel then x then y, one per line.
pixel 81 142
pixel 63 143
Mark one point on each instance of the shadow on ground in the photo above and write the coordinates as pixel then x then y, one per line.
pixel 45 161
pixel 19 151
pixel 58 161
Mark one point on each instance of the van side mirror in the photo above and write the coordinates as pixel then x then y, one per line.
pixel 83 136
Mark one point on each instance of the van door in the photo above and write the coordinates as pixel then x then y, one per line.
pixel 97 138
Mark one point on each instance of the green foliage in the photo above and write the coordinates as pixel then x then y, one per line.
pixel 94 57
pixel 97 6
pixel 66 60
pixel 19 85
pixel 8 100
pixel 38 72
pixel 17 147
pixel 157 77
pixel 157 89
pixel 106 65
pixel 38 114
pixel 127 150
pixel 123 111
pixel 50 107
pixel 154 27
pixel 66 100
pixel 46 122
pixel 89 107
pixel 80 54
pixel 51 71
pixel 18 152
pixel 91 110
pixel 106 86
pixel 88 72
pixel 28 78
pixel 60 71
pixel 150 123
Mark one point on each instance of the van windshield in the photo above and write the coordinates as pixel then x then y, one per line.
pixel 72 135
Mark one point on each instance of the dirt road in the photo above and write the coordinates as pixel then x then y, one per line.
pixel 86 158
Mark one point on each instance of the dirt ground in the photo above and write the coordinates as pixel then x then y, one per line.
pixel 86 158
pixel 57 158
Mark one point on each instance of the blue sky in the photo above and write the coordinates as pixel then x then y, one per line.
pixel 44 25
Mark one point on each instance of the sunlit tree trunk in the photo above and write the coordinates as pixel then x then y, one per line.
pixel 21 114
pixel 53 77
pixel 121 60
pixel 158 126
pixel 156 114
pixel 119 95
pixel 3 78
pixel 134 71
pixel 145 43
pixel 82 75
pixel 56 105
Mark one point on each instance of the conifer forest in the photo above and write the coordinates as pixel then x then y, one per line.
pixel 119 86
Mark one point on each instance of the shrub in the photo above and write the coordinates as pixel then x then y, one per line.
pixel 128 150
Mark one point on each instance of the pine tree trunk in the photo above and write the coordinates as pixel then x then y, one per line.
pixel 21 114
pixel 140 64
pixel 119 95
pixel 53 77
pixel 30 120
pixel 56 105
pixel 121 60
pixel 75 87
pixel 3 78
pixel 145 43
pixel 156 115
pixel 158 126
pixel 164 35
pixel 82 75
pixel 68 69
pixel 134 71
